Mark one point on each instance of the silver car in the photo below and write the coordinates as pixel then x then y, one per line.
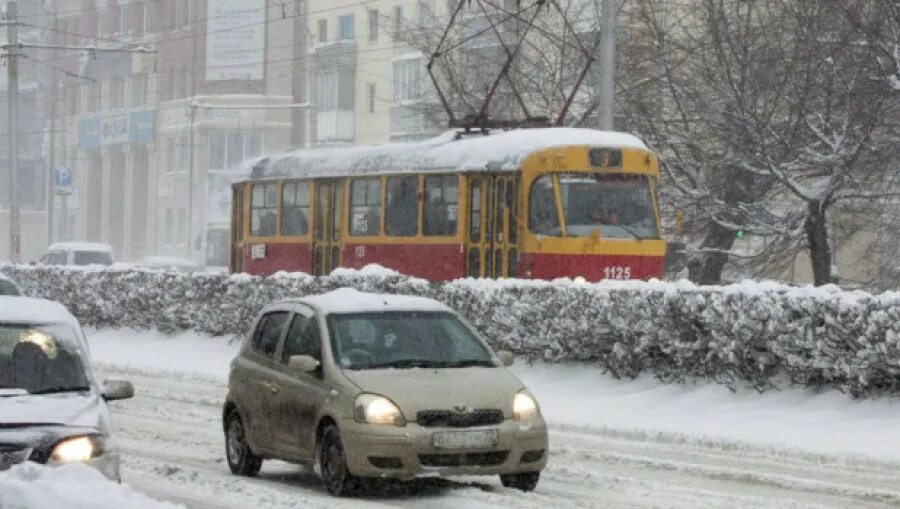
pixel 52 410
pixel 370 386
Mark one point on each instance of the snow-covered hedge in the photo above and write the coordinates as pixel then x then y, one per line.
pixel 752 332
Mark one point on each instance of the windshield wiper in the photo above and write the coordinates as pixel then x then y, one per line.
pixel 55 390
pixel 468 363
pixel 404 363
pixel 630 231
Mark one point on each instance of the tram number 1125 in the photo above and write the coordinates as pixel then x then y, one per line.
pixel 617 272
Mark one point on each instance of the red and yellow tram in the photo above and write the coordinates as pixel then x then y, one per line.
pixel 537 203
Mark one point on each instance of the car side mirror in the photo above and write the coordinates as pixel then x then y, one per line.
pixel 117 389
pixel 507 358
pixel 303 364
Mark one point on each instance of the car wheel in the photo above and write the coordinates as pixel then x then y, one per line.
pixel 525 482
pixel 333 465
pixel 241 459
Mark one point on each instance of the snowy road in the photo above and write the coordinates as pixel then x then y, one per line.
pixel 172 441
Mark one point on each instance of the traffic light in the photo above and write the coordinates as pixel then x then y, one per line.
pixel 739 234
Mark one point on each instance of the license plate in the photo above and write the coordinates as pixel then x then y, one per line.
pixel 466 439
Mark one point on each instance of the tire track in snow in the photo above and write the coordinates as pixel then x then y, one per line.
pixel 173 447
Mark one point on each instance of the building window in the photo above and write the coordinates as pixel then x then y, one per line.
pixel 92 97
pixel 171 154
pixel 263 206
pixel 326 90
pixel 116 93
pixel 187 12
pixel 139 85
pixel 149 10
pixel 365 207
pixel 441 210
pixel 371 97
pixel 407 80
pixel 228 149
pixel 426 12
pixel 402 215
pixel 182 227
pixel 124 25
pixel 347 27
pixel 170 227
pixel 295 208
pixel 398 21
pixel 373 25
pixel 323 30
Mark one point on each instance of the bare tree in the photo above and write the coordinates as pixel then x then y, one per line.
pixel 768 118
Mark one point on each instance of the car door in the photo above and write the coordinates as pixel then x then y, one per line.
pixel 257 374
pixel 301 395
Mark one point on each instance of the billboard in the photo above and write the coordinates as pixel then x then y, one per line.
pixel 137 126
pixel 235 40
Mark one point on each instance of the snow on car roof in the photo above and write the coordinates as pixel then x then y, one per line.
pixel 349 300
pixel 167 260
pixel 30 310
pixel 80 246
pixel 503 151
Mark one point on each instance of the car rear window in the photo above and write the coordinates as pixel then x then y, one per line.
pixel 92 258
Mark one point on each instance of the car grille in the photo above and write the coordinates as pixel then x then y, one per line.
pixel 451 419
pixel 11 455
pixel 479 459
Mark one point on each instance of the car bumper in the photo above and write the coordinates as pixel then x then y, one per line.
pixel 409 451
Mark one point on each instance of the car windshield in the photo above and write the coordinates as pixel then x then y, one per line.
pixel 92 258
pixel 8 288
pixel 618 206
pixel 40 359
pixel 404 340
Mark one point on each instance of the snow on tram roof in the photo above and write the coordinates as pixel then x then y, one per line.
pixel 503 151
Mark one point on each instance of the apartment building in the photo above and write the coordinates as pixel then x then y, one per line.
pixel 154 139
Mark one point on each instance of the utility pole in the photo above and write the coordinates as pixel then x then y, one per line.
pixel 51 184
pixel 607 82
pixel 12 68
pixel 190 219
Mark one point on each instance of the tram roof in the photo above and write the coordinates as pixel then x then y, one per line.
pixel 503 151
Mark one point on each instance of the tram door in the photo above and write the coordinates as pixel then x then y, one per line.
pixel 327 234
pixel 493 226
pixel 237 229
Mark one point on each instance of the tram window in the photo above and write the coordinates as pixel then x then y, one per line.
pixel 263 205
pixel 475 215
pixel 512 200
pixel 543 218
pixel 474 262
pixel 295 208
pixel 441 209
pixel 365 207
pixel 402 214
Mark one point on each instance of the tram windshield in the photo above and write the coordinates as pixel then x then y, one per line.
pixel 617 206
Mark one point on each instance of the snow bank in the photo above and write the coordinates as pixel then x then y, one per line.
pixel 749 332
pixel 32 486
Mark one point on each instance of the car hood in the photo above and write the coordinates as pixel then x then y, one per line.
pixel 65 409
pixel 419 389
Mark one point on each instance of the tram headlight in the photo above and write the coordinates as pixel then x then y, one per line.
pixel 580 280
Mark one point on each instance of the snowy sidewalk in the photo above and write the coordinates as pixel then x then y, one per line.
pixel 827 423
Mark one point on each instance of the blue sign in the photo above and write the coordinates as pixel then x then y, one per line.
pixel 135 127
pixel 63 180
pixel 89 133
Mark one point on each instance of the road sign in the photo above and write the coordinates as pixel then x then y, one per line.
pixel 63 180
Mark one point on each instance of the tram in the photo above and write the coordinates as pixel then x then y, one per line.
pixel 530 203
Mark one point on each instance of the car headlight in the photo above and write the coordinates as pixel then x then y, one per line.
pixel 77 450
pixel 525 407
pixel 374 409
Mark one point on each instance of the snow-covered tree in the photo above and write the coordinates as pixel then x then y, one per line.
pixel 769 119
